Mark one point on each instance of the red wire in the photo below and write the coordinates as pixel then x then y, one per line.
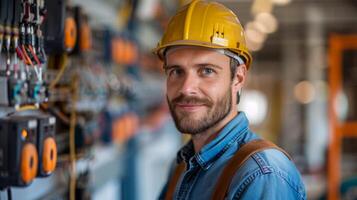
pixel 34 55
pixel 19 53
pixel 26 56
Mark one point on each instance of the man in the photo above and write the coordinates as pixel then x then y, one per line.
pixel 206 61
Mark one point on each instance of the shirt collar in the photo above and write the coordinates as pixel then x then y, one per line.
pixel 186 152
pixel 230 134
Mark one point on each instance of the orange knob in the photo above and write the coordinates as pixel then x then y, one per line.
pixel 121 50
pixel 70 33
pixel 49 155
pixel 85 39
pixel 29 163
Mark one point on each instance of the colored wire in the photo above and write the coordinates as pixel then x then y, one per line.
pixel 26 59
pixel 43 55
pixel 29 62
pixel 63 67
pixel 19 53
pixel 17 56
pixel 34 55
pixel 72 147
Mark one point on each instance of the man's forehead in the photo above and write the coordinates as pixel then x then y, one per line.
pixel 171 49
pixel 195 56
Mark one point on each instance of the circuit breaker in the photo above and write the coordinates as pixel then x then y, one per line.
pixel 46 144
pixel 60 28
pixel 18 153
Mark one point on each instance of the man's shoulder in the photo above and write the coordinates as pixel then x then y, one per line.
pixel 266 162
pixel 269 167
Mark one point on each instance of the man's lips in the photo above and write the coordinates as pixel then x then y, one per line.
pixel 188 106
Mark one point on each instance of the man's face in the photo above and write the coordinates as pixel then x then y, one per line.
pixel 199 87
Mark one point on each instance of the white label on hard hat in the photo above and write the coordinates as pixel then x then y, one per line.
pixel 220 41
pixel 32 124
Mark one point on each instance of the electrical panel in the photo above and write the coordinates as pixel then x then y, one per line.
pixel 27 141
pixel 55 81
pixel 22 55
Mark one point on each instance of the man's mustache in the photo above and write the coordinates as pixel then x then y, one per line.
pixel 182 99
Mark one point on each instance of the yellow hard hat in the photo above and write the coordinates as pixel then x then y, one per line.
pixel 205 24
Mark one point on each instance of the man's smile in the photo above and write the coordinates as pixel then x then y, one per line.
pixel 189 107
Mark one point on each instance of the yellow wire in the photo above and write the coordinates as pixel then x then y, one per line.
pixel 72 150
pixel 63 63
pixel 124 13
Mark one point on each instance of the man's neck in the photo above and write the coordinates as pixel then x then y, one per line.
pixel 201 139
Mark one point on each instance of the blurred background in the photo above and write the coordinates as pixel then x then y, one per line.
pixel 79 83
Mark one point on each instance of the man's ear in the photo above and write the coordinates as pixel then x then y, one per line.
pixel 239 77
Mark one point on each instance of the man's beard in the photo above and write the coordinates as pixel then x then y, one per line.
pixel 215 113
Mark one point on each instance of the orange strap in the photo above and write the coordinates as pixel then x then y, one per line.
pixel 228 172
pixel 237 161
pixel 180 168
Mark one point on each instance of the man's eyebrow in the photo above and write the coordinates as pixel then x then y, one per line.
pixel 167 67
pixel 209 64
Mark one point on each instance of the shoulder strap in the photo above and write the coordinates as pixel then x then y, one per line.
pixel 180 168
pixel 237 161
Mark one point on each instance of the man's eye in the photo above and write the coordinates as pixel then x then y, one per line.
pixel 207 71
pixel 174 72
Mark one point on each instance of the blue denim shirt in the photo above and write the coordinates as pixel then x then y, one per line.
pixel 265 175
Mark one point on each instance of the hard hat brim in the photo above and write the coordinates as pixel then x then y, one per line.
pixel 160 50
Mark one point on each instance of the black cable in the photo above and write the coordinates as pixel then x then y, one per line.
pixel 9 195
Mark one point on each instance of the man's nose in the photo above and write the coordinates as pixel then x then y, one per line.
pixel 189 84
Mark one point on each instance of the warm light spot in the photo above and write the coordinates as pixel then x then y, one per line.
pixel 255 104
pixel 304 92
pixel 268 21
pixel 24 134
pixel 281 2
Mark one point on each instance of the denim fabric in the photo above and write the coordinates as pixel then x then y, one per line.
pixel 266 175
